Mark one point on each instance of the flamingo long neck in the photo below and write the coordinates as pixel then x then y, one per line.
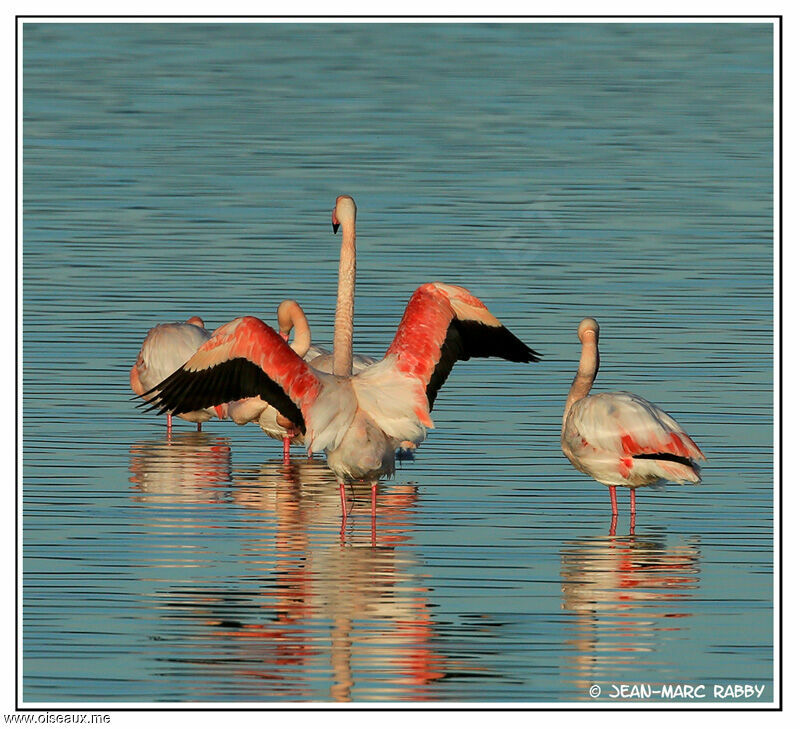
pixel 301 341
pixel 584 378
pixel 343 322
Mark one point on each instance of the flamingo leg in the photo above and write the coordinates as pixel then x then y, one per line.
pixel 374 510
pixel 169 422
pixel 612 492
pixel 633 502
pixel 199 427
pixel 344 512
pixel 612 531
pixel 287 443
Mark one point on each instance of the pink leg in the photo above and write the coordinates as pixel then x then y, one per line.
pixel 374 510
pixel 612 532
pixel 344 512
pixel 199 427
pixel 169 422
pixel 612 492
pixel 287 444
pixel 633 502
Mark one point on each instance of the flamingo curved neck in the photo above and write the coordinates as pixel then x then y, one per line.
pixel 343 321
pixel 292 318
pixel 584 378
pixel 301 341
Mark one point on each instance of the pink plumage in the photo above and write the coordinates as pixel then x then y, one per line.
pixel 360 419
pixel 357 420
pixel 609 435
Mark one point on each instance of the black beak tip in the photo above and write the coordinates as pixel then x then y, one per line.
pixel 335 227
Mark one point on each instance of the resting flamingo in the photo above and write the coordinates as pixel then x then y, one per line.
pixel 166 347
pixel 357 420
pixel 291 317
pixel 618 438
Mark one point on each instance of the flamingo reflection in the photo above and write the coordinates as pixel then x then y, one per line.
pixel 299 613
pixel 621 595
pixel 187 468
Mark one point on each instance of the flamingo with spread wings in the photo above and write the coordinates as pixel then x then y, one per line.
pixel 357 419
pixel 618 438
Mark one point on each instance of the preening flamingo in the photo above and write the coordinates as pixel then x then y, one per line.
pixel 291 317
pixel 618 438
pixel 358 420
pixel 166 347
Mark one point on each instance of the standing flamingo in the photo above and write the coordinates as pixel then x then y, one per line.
pixel 618 438
pixel 166 347
pixel 291 317
pixel 358 420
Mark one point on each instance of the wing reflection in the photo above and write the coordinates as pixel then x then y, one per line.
pixel 622 594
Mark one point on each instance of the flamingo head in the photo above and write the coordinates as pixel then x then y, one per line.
pixel 588 327
pixel 287 312
pixel 343 212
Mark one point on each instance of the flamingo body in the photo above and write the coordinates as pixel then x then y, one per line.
pixel 621 439
pixel 166 347
pixel 254 409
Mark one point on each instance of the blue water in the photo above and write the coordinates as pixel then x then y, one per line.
pixel 558 171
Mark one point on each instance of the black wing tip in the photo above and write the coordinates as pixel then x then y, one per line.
pixel 674 458
pixel 513 349
pixel 533 356
pixel 185 391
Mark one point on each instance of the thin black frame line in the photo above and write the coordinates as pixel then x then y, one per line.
pixel 779 191
pixel 17 334
pixel 411 17
pixel 779 555
pixel 368 707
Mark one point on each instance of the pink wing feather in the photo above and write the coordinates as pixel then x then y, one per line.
pixel 243 358
pixel 631 426
pixel 443 324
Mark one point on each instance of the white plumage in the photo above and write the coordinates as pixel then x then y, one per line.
pixel 166 348
pixel 603 431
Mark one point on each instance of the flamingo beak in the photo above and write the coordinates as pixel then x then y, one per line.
pixel 335 227
pixel 285 337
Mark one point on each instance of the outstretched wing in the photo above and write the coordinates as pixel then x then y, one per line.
pixel 244 358
pixel 443 324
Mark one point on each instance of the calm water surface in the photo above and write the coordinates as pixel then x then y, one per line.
pixel 558 171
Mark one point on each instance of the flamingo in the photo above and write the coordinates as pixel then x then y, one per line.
pixel 621 439
pixel 166 347
pixel 291 317
pixel 358 420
